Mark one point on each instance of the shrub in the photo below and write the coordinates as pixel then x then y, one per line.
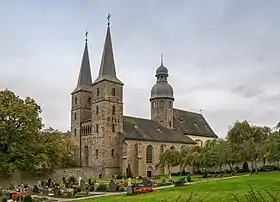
pixel 72 180
pixel 101 187
pixel 91 187
pixel 3 199
pixel 122 189
pixel 245 167
pixel 205 174
pixel 27 199
pixel 189 179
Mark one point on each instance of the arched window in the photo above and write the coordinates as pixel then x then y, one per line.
pixel 90 129
pixel 86 156
pixel 113 91
pixel 97 128
pixel 113 110
pixel 153 105
pixel 170 104
pixel 75 116
pixel 172 148
pixel 113 128
pixel 97 92
pixel 89 100
pixel 97 110
pixel 76 100
pixel 96 153
pixel 161 104
pixel 149 154
pixel 112 152
pixel 75 132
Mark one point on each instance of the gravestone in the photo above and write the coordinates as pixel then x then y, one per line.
pixel 79 180
pixel 83 185
pixel 113 186
pixel 29 189
pixel 147 182
pixel 56 191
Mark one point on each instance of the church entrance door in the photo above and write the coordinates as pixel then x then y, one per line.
pixel 149 173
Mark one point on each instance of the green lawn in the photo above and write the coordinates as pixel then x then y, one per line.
pixel 218 190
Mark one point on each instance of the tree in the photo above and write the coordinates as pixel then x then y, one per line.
pixel 170 158
pixel 19 124
pixel 23 144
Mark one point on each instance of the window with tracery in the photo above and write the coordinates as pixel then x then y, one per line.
pixel 149 154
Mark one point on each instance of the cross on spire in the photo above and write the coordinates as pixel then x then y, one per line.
pixel 109 17
pixel 86 34
pixel 161 59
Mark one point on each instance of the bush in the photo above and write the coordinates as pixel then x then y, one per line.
pixel 122 189
pixel 189 178
pixel 72 180
pixel 205 174
pixel 27 199
pixel 3 199
pixel 245 167
pixel 91 187
pixel 101 187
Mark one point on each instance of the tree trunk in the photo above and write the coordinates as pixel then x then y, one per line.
pixel 256 166
pixel 169 171
pixel 220 168
pixel 264 161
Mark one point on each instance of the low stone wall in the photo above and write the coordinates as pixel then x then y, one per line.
pixel 76 172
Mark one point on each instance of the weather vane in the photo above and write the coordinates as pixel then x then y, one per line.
pixel 86 34
pixel 108 18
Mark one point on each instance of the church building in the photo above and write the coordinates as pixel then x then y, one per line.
pixel 109 141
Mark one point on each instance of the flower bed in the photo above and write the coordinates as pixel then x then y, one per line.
pixel 143 190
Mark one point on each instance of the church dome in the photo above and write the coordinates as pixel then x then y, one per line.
pixel 161 70
pixel 162 90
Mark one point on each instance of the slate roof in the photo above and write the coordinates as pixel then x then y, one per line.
pixel 84 80
pixel 107 70
pixel 148 130
pixel 191 123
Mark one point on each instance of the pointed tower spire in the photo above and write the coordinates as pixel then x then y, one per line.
pixel 107 69
pixel 84 80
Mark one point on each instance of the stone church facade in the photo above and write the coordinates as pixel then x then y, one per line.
pixel 110 142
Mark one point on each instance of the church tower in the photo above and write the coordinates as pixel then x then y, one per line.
pixel 107 112
pixel 81 97
pixel 162 98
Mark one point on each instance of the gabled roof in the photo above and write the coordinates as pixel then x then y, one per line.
pixel 148 130
pixel 191 123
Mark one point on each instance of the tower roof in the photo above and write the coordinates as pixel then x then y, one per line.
pixel 84 80
pixel 107 70
pixel 162 89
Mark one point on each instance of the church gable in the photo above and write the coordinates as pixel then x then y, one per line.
pixel 191 123
pixel 148 130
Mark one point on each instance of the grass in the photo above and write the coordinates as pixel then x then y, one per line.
pixel 258 186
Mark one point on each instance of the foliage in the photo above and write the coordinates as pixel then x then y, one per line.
pixel 24 146
pixel 170 158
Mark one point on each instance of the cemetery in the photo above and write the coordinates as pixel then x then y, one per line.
pixel 71 187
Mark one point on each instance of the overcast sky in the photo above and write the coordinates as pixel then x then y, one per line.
pixel 223 55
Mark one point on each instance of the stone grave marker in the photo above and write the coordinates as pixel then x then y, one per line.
pixel 147 182
pixel 113 186
pixel 83 185
pixel 56 191
pixel 29 189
